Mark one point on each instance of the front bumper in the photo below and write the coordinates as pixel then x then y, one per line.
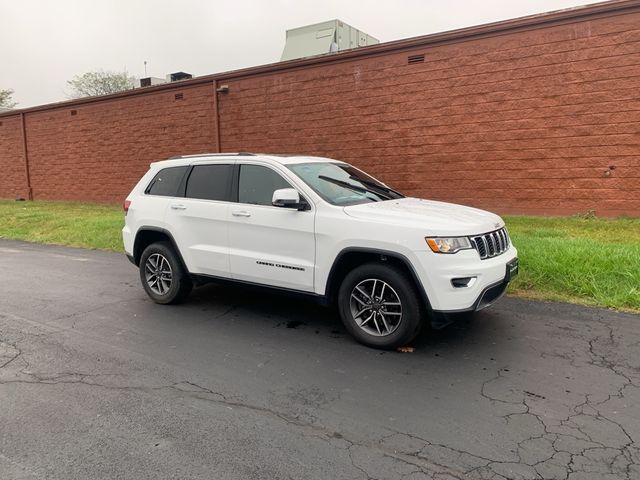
pixel 490 295
pixel 440 276
pixel 441 318
pixel 493 292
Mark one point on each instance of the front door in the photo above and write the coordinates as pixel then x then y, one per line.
pixel 269 245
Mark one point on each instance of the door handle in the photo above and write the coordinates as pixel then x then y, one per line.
pixel 241 213
pixel 178 207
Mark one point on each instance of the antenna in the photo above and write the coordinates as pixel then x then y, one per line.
pixel 145 68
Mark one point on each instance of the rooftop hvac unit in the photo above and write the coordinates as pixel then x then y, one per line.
pixel 177 76
pixel 151 81
pixel 321 38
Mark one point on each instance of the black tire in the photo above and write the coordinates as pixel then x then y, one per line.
pixel 165 291
pixel 410 319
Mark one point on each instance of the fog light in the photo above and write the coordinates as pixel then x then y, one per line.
pixel 463 282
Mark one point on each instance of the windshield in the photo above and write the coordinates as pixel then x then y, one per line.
pixel 342 184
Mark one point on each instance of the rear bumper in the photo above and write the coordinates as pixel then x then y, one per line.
pixel 127 240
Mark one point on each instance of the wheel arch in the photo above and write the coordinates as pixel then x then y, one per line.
pixel 147 235
pixel 350 257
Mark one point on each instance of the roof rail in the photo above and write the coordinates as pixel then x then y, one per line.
pixel 237 154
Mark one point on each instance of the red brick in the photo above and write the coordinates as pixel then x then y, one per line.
pixel 522 122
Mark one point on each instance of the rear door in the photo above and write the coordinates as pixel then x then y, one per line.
pixel 160 192
pixel 269 245
pixel 199 219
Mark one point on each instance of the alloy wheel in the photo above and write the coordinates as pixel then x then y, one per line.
pixel 376 307
pixel 158 273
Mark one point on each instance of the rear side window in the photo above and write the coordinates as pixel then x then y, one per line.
pixel 166 182
pixel 257 184
pixel 210 182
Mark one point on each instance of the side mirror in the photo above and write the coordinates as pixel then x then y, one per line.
pixel 288 198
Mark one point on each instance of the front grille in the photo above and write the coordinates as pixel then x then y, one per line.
pixel 491 244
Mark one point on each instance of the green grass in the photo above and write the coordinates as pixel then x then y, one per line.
pixel 591 261
pixel 63 223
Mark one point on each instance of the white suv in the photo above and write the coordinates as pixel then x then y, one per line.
pixel 319 227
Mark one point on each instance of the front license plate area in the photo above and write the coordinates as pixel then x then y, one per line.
pixel 512 270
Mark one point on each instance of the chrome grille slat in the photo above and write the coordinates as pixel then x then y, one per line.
pixel 491 244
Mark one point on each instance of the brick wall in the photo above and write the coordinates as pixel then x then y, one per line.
pixel 103 149
pixel 13 182
pixel 528 122
pixel 541 120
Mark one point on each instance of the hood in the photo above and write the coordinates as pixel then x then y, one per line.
pixel 436 218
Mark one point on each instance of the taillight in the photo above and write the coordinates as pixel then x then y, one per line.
pixel 125 206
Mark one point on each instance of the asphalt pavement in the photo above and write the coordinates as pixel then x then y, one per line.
pixel 98 382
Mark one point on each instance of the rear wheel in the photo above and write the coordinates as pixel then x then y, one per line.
pixel 380 306
pixel 162 274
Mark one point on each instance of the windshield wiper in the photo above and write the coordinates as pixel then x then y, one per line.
pixel 378 186
pixel 353 187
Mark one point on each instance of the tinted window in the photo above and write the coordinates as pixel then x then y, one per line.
pixel 258 183
pixel 210 182
pixel 166 182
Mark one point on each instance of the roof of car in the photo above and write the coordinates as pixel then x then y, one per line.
pixel 284 159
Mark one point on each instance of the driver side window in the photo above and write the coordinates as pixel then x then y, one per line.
pixel 257 184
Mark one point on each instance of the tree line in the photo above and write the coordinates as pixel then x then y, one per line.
pixel 89 84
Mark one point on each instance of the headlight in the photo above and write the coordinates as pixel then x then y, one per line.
pixel 448 244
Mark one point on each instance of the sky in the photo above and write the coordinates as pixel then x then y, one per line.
pixel 44 43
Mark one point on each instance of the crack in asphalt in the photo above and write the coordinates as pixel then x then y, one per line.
pixel 13 358
pixel 577 456
pixel 585 443
pixel 203 393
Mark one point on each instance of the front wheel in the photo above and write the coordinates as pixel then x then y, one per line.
pixel 379 306
pixel 162 274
